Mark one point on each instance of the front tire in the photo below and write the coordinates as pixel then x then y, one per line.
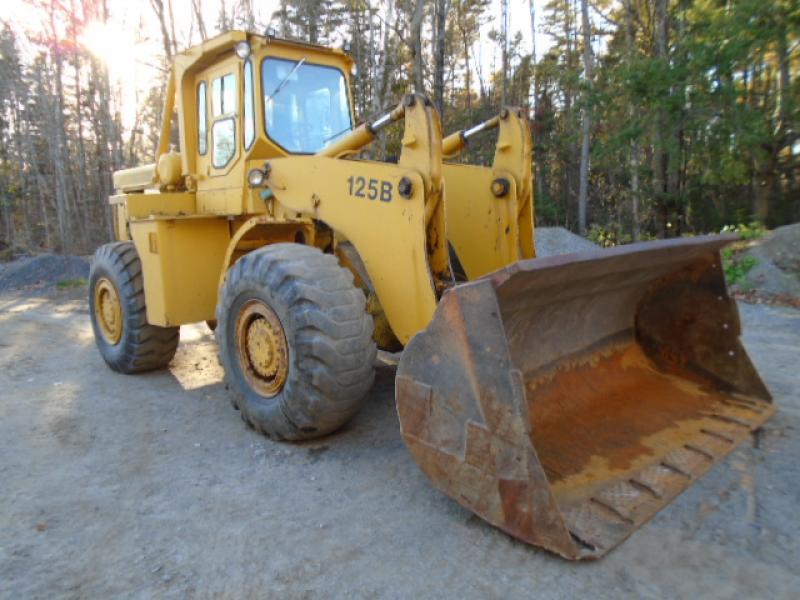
pixel 127 342
pixel 295 341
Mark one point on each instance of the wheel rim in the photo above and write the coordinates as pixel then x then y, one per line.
pixel 108 310
pixel 262 348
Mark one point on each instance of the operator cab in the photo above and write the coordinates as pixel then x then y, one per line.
pixel 257 98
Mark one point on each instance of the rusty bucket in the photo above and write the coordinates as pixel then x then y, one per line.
pixel 568 399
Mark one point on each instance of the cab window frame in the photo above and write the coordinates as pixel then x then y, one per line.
pixel 224 116
pixel 202 119
pixel 248 115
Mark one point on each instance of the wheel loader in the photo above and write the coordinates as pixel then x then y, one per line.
pixel 565 399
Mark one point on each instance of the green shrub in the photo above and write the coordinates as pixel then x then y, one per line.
pixel 753 231
pixel 606 237
pixel 736 266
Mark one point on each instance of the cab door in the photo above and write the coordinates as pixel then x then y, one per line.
pixel 219 164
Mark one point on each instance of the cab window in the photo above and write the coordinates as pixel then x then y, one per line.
pixel 249 117
pixel 223 130
pixel 306 106
pixel 202 119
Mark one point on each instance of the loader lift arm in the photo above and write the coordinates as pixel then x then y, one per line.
pixel 490 209
pixel 392 214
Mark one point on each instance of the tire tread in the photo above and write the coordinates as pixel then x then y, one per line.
pixel 145 347
pixel 330 334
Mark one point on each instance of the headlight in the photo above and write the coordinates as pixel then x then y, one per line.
pixel 255 177
pixel 243 49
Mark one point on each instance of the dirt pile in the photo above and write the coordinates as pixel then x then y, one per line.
pixel 43 272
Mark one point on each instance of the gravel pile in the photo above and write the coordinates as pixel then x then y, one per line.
pixel 557 240
pixel 42 272
pixel 777 269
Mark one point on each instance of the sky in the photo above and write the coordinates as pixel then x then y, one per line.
pixel 131 42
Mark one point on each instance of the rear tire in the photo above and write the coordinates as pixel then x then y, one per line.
pixel 295 341
pixel 127 342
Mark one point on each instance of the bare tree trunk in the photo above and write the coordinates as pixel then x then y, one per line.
pixel 369 92
pixel 759 205
pixel 134 131
pixel 504 39
pixel 532 8
pixel 382 72
pixel 174 38
pixel 39 184
pixel 538 165
pixel 478 62
pixel 249 17
pixel 566 182
pixel 586 125
pixel 357 52
pixel 381 79
pixel 18 149
pixel 785 82
pixel 113 140
pixel 80 196
pixel 635 157
pixel 58 153
pixel 675 150
pixel 168 44
pixel 198 15
pixel 467 83
pixel 415 45
pixel 658 137
pixel 442 7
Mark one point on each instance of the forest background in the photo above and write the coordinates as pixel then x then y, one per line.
pixel 650 118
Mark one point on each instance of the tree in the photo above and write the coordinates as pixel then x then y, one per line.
pixel 441 9
pixel 651 117
pixel 586 116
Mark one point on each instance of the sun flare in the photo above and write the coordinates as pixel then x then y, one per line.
pixel 116 48
pixel 110 44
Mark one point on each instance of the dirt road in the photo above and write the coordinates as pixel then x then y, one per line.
pixel 151 486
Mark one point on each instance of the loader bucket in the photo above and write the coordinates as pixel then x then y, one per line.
pixel 567 399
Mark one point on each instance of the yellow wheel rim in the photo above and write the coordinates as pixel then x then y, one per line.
pixel 262 348
pixel 108 310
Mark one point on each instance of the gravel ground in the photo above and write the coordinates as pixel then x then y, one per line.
pixel 151 486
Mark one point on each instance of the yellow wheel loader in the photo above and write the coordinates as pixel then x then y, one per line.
pixel 564 400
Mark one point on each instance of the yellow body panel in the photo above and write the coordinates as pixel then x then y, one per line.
pixel 389 236
pixel 119 213
pixel 481 227
pixel 514 156
pixel 490 232
pixel 263 230
pixel 181 263
pixel 135 179
pixel 167 204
